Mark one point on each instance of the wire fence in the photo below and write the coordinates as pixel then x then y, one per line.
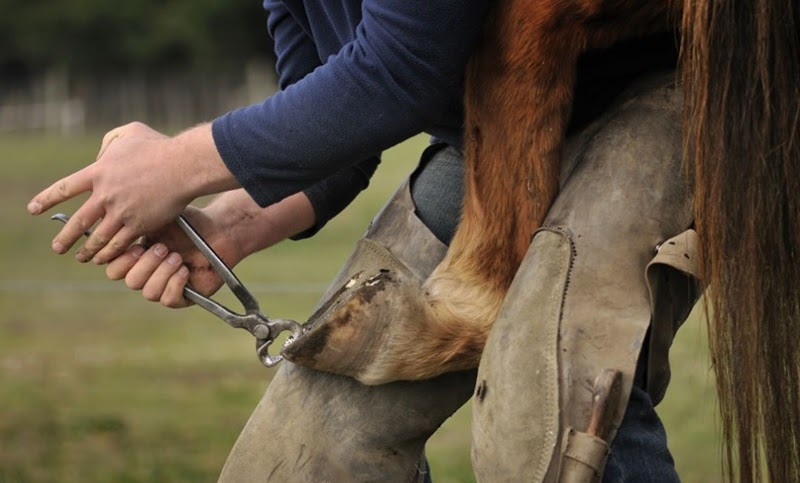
pixel 28 286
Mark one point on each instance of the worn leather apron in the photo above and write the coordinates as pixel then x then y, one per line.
pixel 582 302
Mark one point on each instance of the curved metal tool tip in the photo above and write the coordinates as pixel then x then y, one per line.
pixel 65 218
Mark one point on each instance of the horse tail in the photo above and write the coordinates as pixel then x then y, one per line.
pixel 742 81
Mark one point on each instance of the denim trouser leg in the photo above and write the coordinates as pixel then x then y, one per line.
pixel 437 188
pixel 639 452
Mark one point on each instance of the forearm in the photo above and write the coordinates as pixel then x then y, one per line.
pixel 199 164
pixel 250 228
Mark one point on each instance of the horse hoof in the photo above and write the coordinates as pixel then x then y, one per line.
pixel 363 331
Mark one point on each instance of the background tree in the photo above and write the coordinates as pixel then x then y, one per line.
pixel 97 36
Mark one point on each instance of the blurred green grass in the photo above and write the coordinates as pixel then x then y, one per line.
pixel 96 384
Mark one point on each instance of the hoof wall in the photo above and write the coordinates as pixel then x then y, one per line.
pixel 359 332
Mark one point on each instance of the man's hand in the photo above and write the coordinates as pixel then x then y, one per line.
pixel 232 224
pixel 139 183
pixel 162 266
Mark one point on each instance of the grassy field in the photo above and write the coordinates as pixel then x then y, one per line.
pixel 98 385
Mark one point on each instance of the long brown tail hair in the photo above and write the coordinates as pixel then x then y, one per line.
pixel 741 64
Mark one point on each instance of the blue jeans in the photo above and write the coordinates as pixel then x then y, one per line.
pixel 639 452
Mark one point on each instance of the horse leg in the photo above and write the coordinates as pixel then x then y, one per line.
pixel 519 93
pixel 519 88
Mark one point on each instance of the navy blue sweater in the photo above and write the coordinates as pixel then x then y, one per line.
pixel 359 76
pixel 356 77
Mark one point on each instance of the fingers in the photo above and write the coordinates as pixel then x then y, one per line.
pixel 108 139
pixel 60 191
pixel 119 267
pixel 173 293
pixel 159 275
pixel 143 269
pixel 80 181
pixel 98 238
pixel 132 128
pixel 102 249
pixel 83 219
pixel 154 287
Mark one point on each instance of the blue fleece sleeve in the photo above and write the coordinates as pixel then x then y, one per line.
pixel 389 83
pixel 297 56
pixel 295 52
pixel 332 195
